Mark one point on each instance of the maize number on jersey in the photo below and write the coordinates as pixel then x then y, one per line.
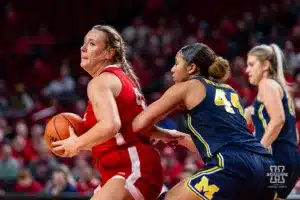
pixel 221 100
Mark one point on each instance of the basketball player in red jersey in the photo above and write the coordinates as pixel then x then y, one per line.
pixel 129 166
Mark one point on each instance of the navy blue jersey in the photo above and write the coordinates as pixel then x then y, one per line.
pixel 261 119
pixel 218 122
pixel 284 148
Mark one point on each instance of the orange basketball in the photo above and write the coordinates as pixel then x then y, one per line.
pixel 58 128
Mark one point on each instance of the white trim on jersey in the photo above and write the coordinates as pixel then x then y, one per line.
pixel 120 139
pixel 113 66
pixel 135 175
pixel 97 189
pixel 136 194
pixel 117 176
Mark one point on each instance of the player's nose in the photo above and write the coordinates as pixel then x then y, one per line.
pixel 173 69
pixel 83 48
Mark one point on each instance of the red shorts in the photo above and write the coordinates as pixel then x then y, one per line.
pixel 140 165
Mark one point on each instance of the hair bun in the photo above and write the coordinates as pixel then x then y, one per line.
pixel 219 68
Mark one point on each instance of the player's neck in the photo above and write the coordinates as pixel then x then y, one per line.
pixel 193 76
pixel 99 68
pixel 266 75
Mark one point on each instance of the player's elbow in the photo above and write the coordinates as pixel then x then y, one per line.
pixel 280 120
pixel 116 126
pixel 112 127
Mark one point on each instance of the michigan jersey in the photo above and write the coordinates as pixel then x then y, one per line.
pixel 261 119
pixel 218 122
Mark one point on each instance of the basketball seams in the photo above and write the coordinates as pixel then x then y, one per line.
pixel 70 123
pixel 55 127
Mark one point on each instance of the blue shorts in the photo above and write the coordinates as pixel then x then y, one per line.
pixel 287 160
pixel 233 174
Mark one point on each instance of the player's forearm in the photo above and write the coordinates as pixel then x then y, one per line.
pixel 98 134
pixel 272 131
pixel 157 132
pixel 188 143
pixel 143 123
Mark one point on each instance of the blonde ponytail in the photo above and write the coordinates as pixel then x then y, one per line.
pixel 278 55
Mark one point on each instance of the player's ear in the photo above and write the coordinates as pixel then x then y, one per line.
pixel 192 69
pixel 266 65
pixel 110 54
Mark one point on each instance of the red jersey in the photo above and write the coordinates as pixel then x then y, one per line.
pixel 130 103
pixel 126 155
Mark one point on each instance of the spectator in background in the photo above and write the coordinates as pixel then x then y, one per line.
pixel 36 133
pixel 45 73
pixel 238 80
pixel 295 37
pixel 292 58
pixel 9 166
pixel 43 166
pixel 6 131
pixel 70 178
pixel 59 184
pixel 10 14
pixel 27 184
pixel 21 151
pixel 21 128
pixel 23 44
pixel 20 102
pixel 3 97
pixel 44 40
pixel 79 165
pixel 62 88
pixel 87 182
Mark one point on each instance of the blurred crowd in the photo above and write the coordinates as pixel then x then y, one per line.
pixel 40 77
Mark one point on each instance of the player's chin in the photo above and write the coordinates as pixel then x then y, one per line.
pixel 83 63
pixel 251 81
pixel 254 82
pixel 176 80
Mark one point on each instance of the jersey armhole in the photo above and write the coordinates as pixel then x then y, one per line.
pixel 205 95
pixel 282 91
pixel 121 89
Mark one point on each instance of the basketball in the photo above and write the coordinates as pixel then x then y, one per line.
pixel 58 128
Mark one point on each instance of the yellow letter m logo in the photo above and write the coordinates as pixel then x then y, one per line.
pixel 204 188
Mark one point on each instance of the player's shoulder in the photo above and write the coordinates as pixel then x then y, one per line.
pixel 268 84
pixel 194 85
pixel 186 86
pixel 105 79
pixel 194 82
